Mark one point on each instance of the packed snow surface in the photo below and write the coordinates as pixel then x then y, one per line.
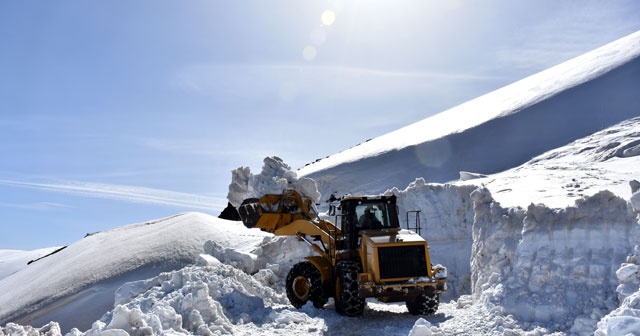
pixel 550 245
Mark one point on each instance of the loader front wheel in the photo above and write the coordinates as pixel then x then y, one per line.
pixel 348 300
pixel 304 283
pixel 423 304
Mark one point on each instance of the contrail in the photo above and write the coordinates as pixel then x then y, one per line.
pixel 128 194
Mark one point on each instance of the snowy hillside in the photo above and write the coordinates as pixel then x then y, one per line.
pixel 547 241
pixel 497 131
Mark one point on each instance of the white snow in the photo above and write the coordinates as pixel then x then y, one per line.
pixel 12 261
pixel 273 179
pixel 550 245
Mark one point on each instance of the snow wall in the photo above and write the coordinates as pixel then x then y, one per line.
pixel 552 267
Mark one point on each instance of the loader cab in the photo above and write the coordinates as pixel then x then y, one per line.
pixel 358 214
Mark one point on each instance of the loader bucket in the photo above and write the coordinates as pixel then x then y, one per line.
pixel 248 211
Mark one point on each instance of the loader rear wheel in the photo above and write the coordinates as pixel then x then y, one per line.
pixel 424 304
pixel 348 300
pixel 304 283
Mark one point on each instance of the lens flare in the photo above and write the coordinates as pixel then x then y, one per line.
pixel 434 153
pixel 328 17
pixel 309 53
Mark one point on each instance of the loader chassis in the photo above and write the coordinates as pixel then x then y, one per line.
pixel 367 255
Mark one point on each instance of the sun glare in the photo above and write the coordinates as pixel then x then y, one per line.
pixel 328 17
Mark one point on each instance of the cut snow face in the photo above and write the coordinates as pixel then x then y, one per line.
pixel 446 218
pixel 552 267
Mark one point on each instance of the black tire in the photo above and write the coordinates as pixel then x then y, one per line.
pixel 304 283
pixel 348 300
pixel 424 304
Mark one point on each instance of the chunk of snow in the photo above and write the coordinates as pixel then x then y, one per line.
pixel 422 327
pixel 273 179
pixel 625 272
pixel 466 176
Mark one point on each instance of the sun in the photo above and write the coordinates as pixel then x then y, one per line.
pixel 328 17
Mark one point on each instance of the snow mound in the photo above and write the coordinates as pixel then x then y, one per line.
pixel 273 179
pixel 203 301
pixel 241 293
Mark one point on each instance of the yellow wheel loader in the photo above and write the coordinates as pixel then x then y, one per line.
pixel 367 255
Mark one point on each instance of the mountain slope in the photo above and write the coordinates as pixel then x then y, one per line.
pixel 498 131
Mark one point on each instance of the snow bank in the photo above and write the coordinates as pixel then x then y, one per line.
pixel 551 267
pixel 76 285
pixel 274 178
pixel 242 293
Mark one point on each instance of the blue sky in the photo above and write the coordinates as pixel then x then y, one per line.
pixel 115 112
